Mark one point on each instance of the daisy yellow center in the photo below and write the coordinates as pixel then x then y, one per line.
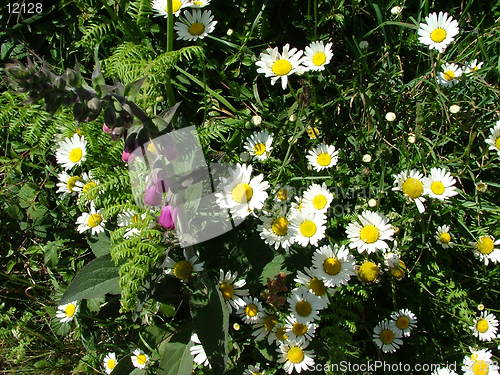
pixel 482 325
pixel 480 368
pixel 281 334
pixel 485 245
pixel 399 271
pixel 183 270
pixel 70 310
pixel 94 220
pixel 71 182
pixel 312 132
pixel 319 58
pixel 449 75
pixel 251 310
pixel 295 354
pixel 88 186
pixel 369 234
pixel 413 187
pixel 303 308
pixel 444 237
pixel 308 228
pixel 319 202
pixel 134 219
pixel 111 364
pixel 75 155
pixel 368 272
pixel 242 193
pixel 141 359
pixel 438 35
pixel 386 336
pixel 332 266
pixel 196 28
pixel 227 290
pixel 437 187
pixel 280 226
pixel 497 143
pixel 317 286
pixel 176 5
pixel 299 329
pixel 282 194
pixel 324 159
pixel 259 149
pixel 269 322
pixel 281 67
pixel 403 322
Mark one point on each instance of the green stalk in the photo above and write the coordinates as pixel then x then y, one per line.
pixel 170 48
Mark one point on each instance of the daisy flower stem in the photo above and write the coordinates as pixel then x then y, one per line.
pixel 170 48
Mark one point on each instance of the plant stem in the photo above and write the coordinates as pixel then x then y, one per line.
pixel 170 48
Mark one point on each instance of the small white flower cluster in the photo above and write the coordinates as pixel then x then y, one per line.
pixel 276 65
pixel 388 334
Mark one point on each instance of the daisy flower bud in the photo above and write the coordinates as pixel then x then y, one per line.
pixel 367 158
pixel 390 116
pixel 229 32
pixel 396 11
pixel 412 138
pixel 372 203
pixel 454 108
pixel 256 120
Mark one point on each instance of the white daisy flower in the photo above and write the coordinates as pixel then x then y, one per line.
pixel 259 145
pixel 198 352
pixel 473 66
pixel 130 218
pixel 283 194
pixel 183 269
pixel 295 357
pixel 368 272
pixel 279 65
pixel 485 327
pixel 412 185
pixel 394 263
pixel 67 184
pixel 304 305
pixel 404 321
pixel 334 266
pixel 66 313
pixel 443 371
pixel 93 221
pixel 160 7
pixel 307 227
pixel 280 335
pixel 252 311
pixel 323 157
pixel 316 285
pixel 264 327
pixel 296 330
pixel 317 55
pixel 438 31
pixel 196 24
pixel 440 184
pixel 317 198
pixel 231 290
pixel 485 249
pixel 494 139
pixel 86 183
pixel 254 370
pixel 370 232
pixel 449 74
pixel 241 193
pixel 109 362
pixel 139 359
pixel 387 337
pixel 71 151
pixel 275 230
pixel 197 3
pixel 479 363
pixel 443 236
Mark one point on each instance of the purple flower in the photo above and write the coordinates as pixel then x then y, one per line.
pixel 167 217
pixel 106 129
pixel 126 156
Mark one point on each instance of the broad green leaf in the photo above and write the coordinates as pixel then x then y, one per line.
pixel 272 268
pixel 124 367
pixel 175 358
pixel 210 323
pixel 96 279
pixel 27 195
pixel 100 245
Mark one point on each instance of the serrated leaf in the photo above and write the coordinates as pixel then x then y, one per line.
pixel 96 279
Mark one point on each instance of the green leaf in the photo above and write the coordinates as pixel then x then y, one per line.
pixel 100 245
pixel 175 358
pixel 124 367
pixel 133 88
pixel 94 280
pixel 211 322
pixel 27 195
pixel 272 268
